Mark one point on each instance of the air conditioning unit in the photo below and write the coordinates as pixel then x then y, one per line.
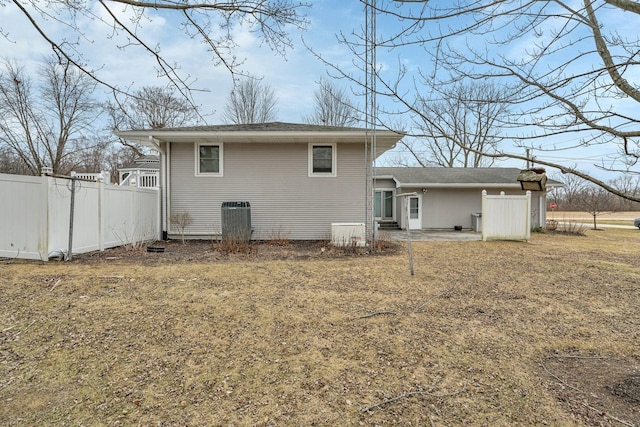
pixel 236 221
pixel 348 234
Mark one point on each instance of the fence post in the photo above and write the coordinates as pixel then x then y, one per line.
pixel 101 205
pixel 484 214
pixel 528 232
pixel 134 209
pixel 46 184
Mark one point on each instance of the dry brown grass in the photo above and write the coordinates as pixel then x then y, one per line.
pixel 485 333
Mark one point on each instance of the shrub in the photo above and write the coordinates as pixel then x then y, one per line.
pixel 181 220
pixel 278 237
pixel 231 245
pixel 573 227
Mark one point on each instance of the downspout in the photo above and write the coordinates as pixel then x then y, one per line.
pixel 163 185
pixel 164 192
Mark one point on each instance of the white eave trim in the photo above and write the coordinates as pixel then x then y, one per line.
pixel 294 136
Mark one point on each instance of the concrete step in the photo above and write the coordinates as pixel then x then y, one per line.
pixel 388 225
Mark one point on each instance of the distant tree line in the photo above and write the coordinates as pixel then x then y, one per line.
pixel 580 195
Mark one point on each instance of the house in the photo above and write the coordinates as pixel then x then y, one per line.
pixel 294 180
pixel 447 197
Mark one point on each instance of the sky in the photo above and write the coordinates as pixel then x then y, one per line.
pixel 292 77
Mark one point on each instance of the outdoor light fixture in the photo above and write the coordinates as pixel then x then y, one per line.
pixel 533 179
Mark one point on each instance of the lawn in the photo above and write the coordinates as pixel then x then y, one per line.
pixel 485 333
pixel 603 218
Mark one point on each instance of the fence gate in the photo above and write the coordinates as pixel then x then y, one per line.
pixel 506 217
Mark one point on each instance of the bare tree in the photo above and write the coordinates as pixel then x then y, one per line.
pixel 152 107
pixel 332 106
pixel 250 101
pixel 565 67
pixel 10 162
pixel 577 194
pixel 596 201
pixel 210 22
pixel 569 196
pixel 47 123
pixel 627 184
pixel 457 124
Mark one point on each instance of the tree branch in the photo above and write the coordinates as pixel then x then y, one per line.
pixel 379 405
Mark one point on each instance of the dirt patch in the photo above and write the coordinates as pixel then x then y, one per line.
pixel 171 251
pixel 599 390
pixel 628 389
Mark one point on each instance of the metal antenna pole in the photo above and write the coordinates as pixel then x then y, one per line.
pixel 371 116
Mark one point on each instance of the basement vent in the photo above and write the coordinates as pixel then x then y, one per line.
pixel 348 234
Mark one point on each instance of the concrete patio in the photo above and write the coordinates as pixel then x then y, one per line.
pixel 431 235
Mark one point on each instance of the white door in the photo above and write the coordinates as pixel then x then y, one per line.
pixel 415 212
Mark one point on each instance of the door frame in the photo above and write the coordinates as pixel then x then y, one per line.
pixel 415 223
pixel 382 200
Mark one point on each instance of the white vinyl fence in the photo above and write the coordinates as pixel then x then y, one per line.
pixel 35 216
pixel 506 217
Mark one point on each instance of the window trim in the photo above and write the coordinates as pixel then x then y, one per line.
pixel 334 160
pixel 220 160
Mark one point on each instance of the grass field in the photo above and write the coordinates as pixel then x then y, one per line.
pixel 485 334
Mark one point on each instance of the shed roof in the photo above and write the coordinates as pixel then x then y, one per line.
pixel 454 177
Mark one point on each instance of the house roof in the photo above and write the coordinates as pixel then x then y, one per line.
pixel 259 127
pixel 454 177
pixel 275 132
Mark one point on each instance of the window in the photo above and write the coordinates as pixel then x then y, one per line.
pixel 414 208
pixel 322 160
pixel 208 159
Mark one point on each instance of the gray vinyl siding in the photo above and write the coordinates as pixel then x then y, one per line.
pixel 385 184
pixel 273 178
pixel 444 208
pixel 447 208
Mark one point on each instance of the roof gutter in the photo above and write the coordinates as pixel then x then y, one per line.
pixel 458 185
pixel 167 135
